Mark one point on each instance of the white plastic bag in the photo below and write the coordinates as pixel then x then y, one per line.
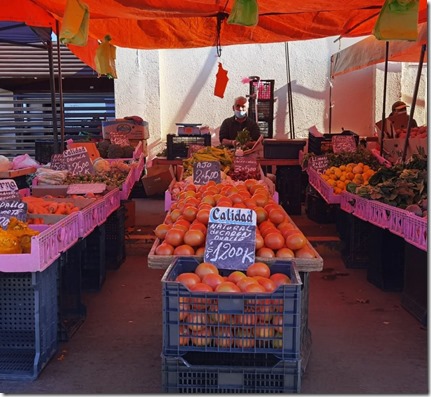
pixel 24 161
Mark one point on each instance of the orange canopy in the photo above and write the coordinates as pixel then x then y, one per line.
pixel 162 24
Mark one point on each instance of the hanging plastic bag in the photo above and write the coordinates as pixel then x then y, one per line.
pixel 74 29
pixel 398 20
pixel 105 58
pixel 244 12
pixel 221 81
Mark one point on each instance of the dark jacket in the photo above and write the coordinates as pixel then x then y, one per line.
pixel 230 128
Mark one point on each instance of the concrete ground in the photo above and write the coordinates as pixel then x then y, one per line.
pixel 363 341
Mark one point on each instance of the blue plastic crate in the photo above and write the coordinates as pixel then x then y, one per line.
pixel 28 322
pixel 231 322
pixel 229 373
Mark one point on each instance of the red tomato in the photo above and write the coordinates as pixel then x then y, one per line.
pixel 227 286
pixel 164 249
pixel 235 276
pixel 160 230
pixel 188 279
pixel 206 268
pixel 265 252
pixel 285 253
pixel 258 269
pixel 213 280
pixel 174 237
pixel 274 240
pixel 296 241
pixel 194 238
pixel 184 250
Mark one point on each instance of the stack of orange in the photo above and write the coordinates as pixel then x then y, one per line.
pixel 339 177
pixel 184 229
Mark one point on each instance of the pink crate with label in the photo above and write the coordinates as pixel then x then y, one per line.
pixel 112 201
pixel 92 216
pixel 396 221
pixel 379 213
pixel 415 231
pixel 70 232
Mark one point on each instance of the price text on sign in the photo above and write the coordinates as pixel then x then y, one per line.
pixel 245 164
pixel 343 143
pixel 319 163
pixel 78 161
pixel 231 238
pixel 13 208
pixel 58 162
pixel 8 190
pixel 119 138
pixel 205 171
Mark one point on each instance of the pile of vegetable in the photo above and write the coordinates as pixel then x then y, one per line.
pixel 16 239
pixel 209 153
pixel 110 150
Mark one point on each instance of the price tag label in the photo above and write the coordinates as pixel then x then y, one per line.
pixel 8 190
pixel 205 171
pixel 12 208
pixel 343 143
pixel 58 162
pixel 319 163
pixel 231 238
pixel 119 138
pixel 246 165
pixel 78 161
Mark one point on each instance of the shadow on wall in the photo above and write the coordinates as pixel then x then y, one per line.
pixel 195 88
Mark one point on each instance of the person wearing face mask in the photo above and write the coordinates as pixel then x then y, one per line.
pixel 240 120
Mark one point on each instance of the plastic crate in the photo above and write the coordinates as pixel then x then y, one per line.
pixel 227 373
pixel 28 325
pixel 379 213
pixel 265 89
pixel 44 150
pixel 127 185
pixel 416 231
pixel 354 204
pixel 396 220
pixel 239 315
pixel 288 185
pixel 93 267
pixel 178 146
pixel 72 312
pixel 317 209
pixel 325 190
pixel 282 148
pixel 115 237
pixel 112 201
pixel 319 143
pixel 92 216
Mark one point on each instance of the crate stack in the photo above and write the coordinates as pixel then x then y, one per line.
pixel 115 238
pixel 231 342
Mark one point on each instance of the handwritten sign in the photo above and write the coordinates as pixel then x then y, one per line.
pixel 8 190
pixel 231 238
pixel 58 162
pixel 319 163
pixel 343 143
pixel 246 164
pixel 119 138
pixel 12 208
pixel 205 171
pixel 78 161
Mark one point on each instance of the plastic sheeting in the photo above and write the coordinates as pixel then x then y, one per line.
pixel 371 51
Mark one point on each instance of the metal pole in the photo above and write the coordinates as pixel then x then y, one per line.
pixel 289 93
pixel 415 95
pixel 53 103
pixel 60 89
pixel 385 82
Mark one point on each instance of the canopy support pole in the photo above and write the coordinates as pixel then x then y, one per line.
pixel 289 93
pixel 385 83
pixel 415 96
pixel 60 89
pixel 53 102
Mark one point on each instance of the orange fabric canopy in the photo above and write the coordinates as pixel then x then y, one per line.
pixel 163 24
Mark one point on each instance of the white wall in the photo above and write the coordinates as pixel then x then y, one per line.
pixel 173 86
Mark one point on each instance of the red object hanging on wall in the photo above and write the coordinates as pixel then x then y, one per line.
pixel 221 81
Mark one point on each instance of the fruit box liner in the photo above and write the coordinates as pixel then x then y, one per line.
pixel 46 247
pixel 234 322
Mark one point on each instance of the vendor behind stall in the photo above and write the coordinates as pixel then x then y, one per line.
pixel 232 125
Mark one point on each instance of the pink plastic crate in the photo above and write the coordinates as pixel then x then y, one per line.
pixel 139 167
pixel 415 231
pixel 127 185
pixel 396 220
pixel 361 208
pixel 44 251
pixel 24 192
pixel 313 178
pixel 112 201
pixel 91 216
pixel 69 231
pixel 327 192
pixel 379 213
pixel 347 202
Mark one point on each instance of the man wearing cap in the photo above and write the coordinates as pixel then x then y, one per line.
pixel 399 118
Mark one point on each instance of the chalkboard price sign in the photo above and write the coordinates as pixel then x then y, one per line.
pixel 205 171
pixel 12 208
pixel 245 164
pixel 78 161
pixel 231 238
pixel 8 190
pixel 319 163
pixel 58 162
pixel 343 143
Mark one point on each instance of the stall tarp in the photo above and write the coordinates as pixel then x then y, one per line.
pixel 371 51
pixel 166 24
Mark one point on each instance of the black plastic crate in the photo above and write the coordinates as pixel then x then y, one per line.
pixel 282 148
pixel 28 322
pixel 228 373
pixel 317 209
pixel 93 268
pixel 44 150
pixel 72 312
pixel 319 143
pixel 115 237
pixel 288 184
pixel 178 146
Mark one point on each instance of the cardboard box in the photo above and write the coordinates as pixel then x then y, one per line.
pixel 157 179
pixel 394 147
pixel 129 128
